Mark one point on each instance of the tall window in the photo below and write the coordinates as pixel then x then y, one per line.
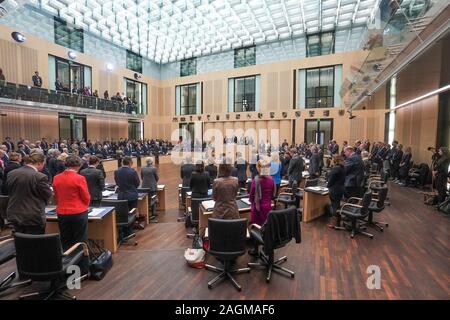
pixel 392 89
pixel 68 36
pixel 137 93
pixel 188 99
pixel 188 67
pixel 244 94
pixel 134 61
pixel 320 88
pixel 244 57
pixel 320 44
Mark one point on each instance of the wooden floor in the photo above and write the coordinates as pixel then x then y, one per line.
pixel 413 254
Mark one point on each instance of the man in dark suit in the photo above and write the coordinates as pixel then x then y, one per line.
pixel 14 163
pixel 127 180
pixel 149 175
pixel 354 173
pixel 37 80
pixel 186 172
pixel 9 145
pixel 296 167
pixel 44 145
pixel 95 181
pixel 241 166
pixel 334 147
pixel 83 149
pixel 29 192
pixel 314 163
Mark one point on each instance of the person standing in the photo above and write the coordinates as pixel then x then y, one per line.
pixel 200 181
pixel 149 176
pixel 72 198
pixel 127 180
pixel 314 163
pixel 29 192
pixel 440 173
pixel 275 170
pixel 211 168
pixel 95 181
pixel 404 167
pixel 225 189
pixel 354 173
pixel 262 191
pixel 336 187
pixel 296 167
pixel 14 163
pixel 186 171
pixel 241 166
pixel 37 80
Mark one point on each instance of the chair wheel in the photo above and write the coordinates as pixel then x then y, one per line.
pixel 371 237
pixel 381 229
pixel 239 289
pixel 387 225
pixel 209 286
pixel 352 236
pixel 267 280
pixel 292 275
pixel 248 271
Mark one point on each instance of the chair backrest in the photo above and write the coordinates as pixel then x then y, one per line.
pixel 227 237
pixel 38 257
pixel 365 203
pixel 183 193
pixel 281 224
pixel 143 190
pixel 382 195
pixel 120 207
pixel 3 205
pixel 195 207
pixel 311 183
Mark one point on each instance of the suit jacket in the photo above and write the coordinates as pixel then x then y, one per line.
pixel 149 175
pixel 314 164
pixel 199 184
pixel 241 167
pixel 186 173
pixel 9 146
pixel 37 81
pixel 336 181
pixel 354 171
pixel 212 170
pixel 10 167
pixel 95 181
pixel 29 192
pixel 127 180
pixel 71 193
pixel 296 167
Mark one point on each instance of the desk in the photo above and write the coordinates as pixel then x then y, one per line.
pixel 101 228
pixel 161 193
pixel 110 165
pixel 314 203
pixel 135 164
pixel 142 205
pixel 244 212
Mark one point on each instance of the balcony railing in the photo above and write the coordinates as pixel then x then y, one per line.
pixel 22 92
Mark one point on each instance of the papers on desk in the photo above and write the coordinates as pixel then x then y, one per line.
pixel 317 189
pixel 50 211
pixel 189 193
pixel 305 173
pixel 246 201
pixel 208 205
pixel 107 193
pixel 95 212
pixel 161 186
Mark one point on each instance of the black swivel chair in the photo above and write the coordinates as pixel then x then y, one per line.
pixel 226 242
pixel 287 220
pixel 8 252
pixel 3 206
pixel 151 204
pixel 195 213
pixel 125 219
pixel 377 205
pixel 41 258
pixel 289 196
pixel 308 183
pixel 356 210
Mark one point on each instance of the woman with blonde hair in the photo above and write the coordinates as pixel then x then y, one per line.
pixel 60 162
pixel 262 191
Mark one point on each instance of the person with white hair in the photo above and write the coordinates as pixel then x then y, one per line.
pixel 149 176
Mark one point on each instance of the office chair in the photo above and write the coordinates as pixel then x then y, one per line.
pixel 8 252
pixel 356 212
pixel 194 211
pixel 377 205
pixel 41 258
pixel 286 220
pixel 182 202
pixel 125 219
pixel 289 197
pixel 3 206
pixel 151 204
pixel 226 243
pixel 308 183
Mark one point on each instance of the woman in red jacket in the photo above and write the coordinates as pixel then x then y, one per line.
pixel 72 198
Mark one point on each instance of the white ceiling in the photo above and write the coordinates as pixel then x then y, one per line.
pixel 166 31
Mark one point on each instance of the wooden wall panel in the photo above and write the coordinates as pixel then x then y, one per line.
pixel 286 89
pixel 9 60
pixel 29 64
pixel 31 125
pixel 220 97
pixel 272 91
pixel 356 129
pixel 208 90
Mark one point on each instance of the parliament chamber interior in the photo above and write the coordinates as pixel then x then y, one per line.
pixel 224 150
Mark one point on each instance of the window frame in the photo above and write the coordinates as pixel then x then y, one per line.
pixel 130 55
pixel 188 107
pixel 190 72
pixel 321 34
pixel 316 98
pixel 246 63
pixel 71 31
pixel 254 93
pixel 144 108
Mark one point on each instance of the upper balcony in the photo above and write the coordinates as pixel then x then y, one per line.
pixel 12 94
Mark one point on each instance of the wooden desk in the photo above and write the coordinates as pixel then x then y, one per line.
pixel 101 228
pixel 314 204
pixel 244 212
pixel 135 164
pixel 110 165
pixel 142 205
pixel 161 193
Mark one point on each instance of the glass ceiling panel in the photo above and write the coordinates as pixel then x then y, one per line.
pixel 169 30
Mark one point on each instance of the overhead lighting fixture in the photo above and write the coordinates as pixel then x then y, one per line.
pixel 18 37
pixel 72 55
pixel 350 115
pixel 429 94
pixel 109 66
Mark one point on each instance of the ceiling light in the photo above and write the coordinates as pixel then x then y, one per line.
pixel 109 66
pixel 72 55
pixel 429 94
pixel 17 36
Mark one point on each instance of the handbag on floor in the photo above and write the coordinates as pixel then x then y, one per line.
pixel 100 261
